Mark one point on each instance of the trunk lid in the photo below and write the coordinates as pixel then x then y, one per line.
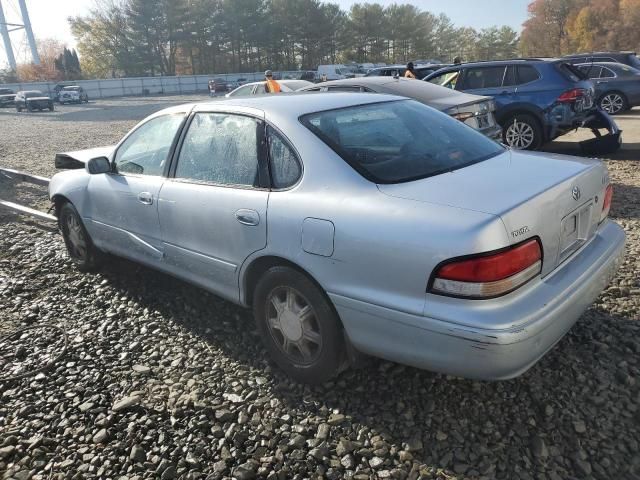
pixel 533 193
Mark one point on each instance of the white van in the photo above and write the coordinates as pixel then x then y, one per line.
pixel 335 72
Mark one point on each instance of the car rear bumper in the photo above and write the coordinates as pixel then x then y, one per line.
pixel 550 305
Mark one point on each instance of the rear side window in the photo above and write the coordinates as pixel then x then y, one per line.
pixel 603 59
pixel 591 71
pixel 401 141
pixel 486 77
pixel 285 165
pixel 526 74
pixel 343 88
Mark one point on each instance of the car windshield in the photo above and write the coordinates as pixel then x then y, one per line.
pixel 400 141
pixel 72 89
pixel 33 94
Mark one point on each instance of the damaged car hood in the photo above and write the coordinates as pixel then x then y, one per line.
pixel 79 158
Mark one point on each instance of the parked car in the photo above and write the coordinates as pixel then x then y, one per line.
pixel 258 88
pixel 32 100
pixel 218 86
pixel 335 72
pixel 353 222
pixel 399 70
pixel 628 58
pixel 537 100
pixel 7 97
pixel 474 110
pixel 617 85
pixel 72 94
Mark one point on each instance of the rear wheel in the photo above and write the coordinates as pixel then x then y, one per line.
pixel 522 132
pixel 613 103
pixel 51 107
pixel 299 327
pixel 81 250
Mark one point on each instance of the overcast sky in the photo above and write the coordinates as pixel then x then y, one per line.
pixel 49 17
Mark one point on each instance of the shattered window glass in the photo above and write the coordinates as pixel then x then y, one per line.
pixel 285 168
pixel 220 148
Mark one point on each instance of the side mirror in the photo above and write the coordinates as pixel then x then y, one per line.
pixel 99 165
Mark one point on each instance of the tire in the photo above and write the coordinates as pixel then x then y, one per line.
pixel 613 102
pixel 522 132
pixel 51 107
pixel 82 252
pixel 29 108
pixel 309 349
pixel 19 109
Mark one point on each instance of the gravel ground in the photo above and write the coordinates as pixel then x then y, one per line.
pixel 163 380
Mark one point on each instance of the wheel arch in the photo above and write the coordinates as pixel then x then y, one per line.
pixel 253 271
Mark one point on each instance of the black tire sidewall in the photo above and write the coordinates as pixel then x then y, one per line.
pixel 529 120
pixel 331 356
pixel 91 260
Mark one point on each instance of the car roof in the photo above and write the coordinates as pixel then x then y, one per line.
pixel 406 87
pixel 292 104
pixel 627 52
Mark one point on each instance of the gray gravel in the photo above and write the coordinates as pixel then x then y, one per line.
pixel 163 380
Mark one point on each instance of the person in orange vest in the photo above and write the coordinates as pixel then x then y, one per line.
pixel 271 85
pixel 410 72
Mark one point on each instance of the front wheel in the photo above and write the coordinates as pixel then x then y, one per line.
pixel 51 108
pixel 613 103
pixel 299 327
pixel 522 132
pixel 81 250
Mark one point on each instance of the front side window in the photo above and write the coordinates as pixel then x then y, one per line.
pixel 221 148
pixel 285 166
pixel 244 90
pixel 448 79
pixel 394 142
pixel 146 150
pixel 487 77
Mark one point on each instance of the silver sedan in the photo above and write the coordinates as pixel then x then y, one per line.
pixel 353 223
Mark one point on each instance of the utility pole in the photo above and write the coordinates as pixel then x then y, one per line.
pixel 4 30
pixel 27 28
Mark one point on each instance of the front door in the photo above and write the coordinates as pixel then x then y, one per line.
pixel 213 212
pixel 123 206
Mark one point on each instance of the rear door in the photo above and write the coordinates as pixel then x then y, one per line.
pixel 489 81
pixel 213 211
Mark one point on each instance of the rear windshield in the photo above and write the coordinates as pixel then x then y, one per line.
pixel 401 141
pixel 571 72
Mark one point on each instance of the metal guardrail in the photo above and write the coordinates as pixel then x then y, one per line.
pixel 19 176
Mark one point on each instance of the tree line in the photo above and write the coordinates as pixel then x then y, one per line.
pixel 169 37
pixel 558 27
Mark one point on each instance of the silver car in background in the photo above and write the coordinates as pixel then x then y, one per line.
pixel 474 110
pixel 258 88
pixel 353 222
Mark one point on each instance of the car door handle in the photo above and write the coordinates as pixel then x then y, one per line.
pixel 145 197
pixel 248 217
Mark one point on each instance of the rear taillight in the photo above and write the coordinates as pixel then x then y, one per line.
pixel 572 95
pixel 489 275
pixel 606 203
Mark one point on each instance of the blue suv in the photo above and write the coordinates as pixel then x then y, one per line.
pixel 537 100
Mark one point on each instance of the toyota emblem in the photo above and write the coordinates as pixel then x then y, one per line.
pixel 575 193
